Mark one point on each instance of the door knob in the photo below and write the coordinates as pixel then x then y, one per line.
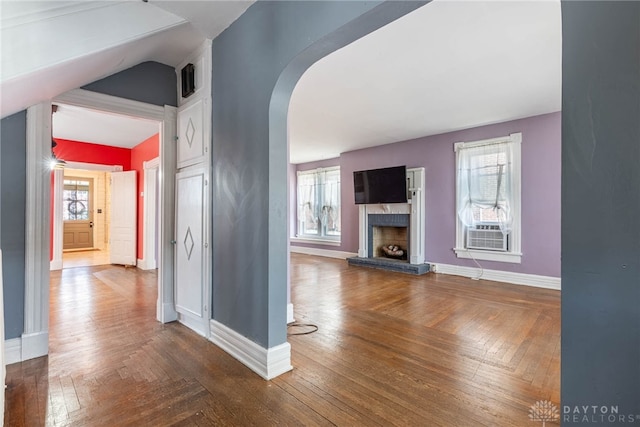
pixel 173 242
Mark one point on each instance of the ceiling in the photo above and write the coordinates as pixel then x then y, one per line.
pixel 96 127
pixel 447 66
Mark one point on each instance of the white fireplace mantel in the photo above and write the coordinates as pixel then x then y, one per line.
pixel 415 208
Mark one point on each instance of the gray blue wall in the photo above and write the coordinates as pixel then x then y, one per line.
pixel 149 82
pixel 13 154
pixel 268 47
pixel 601 210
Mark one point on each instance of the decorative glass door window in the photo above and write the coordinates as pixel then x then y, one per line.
pixel 76 200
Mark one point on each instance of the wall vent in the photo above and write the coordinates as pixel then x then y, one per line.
pixel 487 237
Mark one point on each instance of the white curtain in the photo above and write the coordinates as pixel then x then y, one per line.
pixel 331 204
pixel 307 207
pixel 319 202
pixel 484 184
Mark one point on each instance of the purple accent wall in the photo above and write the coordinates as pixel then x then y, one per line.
pixel 541 163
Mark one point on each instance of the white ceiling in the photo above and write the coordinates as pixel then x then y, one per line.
pixel 449 65
pixel 95 127
pixel 50 47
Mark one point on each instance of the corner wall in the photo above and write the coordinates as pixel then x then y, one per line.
pixel 600 211
pixel 256 63
pixel 13 153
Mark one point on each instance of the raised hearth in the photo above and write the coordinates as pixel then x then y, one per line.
pixel 390 265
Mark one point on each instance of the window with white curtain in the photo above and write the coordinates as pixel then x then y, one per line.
pixel 488 199
pixel 319 203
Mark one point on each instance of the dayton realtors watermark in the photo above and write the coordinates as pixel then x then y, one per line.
pixel 597 415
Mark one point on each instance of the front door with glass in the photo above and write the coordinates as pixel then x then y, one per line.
pixel 77 213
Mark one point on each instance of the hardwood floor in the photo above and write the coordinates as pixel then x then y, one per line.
pixel 85 258
pixel 391 349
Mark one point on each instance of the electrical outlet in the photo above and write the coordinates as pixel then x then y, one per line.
pixel 433 268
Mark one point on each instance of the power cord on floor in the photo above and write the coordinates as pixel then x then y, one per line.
pixel 479 266
pixel 302 325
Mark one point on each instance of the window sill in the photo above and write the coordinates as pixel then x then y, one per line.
pixel 511 257
pixel 315 241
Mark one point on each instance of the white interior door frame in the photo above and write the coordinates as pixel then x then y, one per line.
pixel 57 195
pixel 167 117
pixel 150 207
pixel 35 338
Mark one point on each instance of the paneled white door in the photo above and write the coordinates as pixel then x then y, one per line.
pixel 192 138
pixel 191 249
pixel 123 226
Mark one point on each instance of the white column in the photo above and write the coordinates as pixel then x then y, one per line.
pixel 35 339
pixel 417 222
pixel 363 249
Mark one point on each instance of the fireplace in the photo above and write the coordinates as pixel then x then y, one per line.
pixel 388 230
pixel 398 224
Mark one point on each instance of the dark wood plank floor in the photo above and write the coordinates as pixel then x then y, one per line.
pixel 391 349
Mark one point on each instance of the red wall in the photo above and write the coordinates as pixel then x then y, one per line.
pixel 147 150
pixel 75 151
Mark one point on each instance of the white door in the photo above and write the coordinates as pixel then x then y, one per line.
pixel 191 249
pixel 123 218
pixel 192 138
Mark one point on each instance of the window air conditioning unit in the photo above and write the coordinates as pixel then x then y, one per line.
pixel 486 237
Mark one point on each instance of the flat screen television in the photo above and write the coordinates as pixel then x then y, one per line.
pixel 387 185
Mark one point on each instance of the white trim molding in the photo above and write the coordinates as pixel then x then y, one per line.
pixel 58 224
pixel 511 257
pixel 290 317
pixel 37 260
pixel 13 351
pixel 113 104
pixel 312 241
pixel 547 282
pixel 165 311
pixel 35 345
pixel 268 363
pixel 93 167
pixel 322 252
pixel 150 208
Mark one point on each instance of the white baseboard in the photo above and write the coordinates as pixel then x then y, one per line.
pixel 166 312
pixel 13 351
pixel 290 318
pixel 35 345
pixel 144 265
pixel 56 264
pixel 268 363
pixel 194 323
pixel 322 252
pixel 546 282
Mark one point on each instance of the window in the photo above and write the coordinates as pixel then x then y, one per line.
pixel 76 200
pixel 319 204
pixel 488 199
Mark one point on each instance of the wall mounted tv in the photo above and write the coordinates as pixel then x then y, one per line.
pixel 387 185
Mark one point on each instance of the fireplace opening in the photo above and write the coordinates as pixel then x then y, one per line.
pixel 390 231
pixel 390 242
